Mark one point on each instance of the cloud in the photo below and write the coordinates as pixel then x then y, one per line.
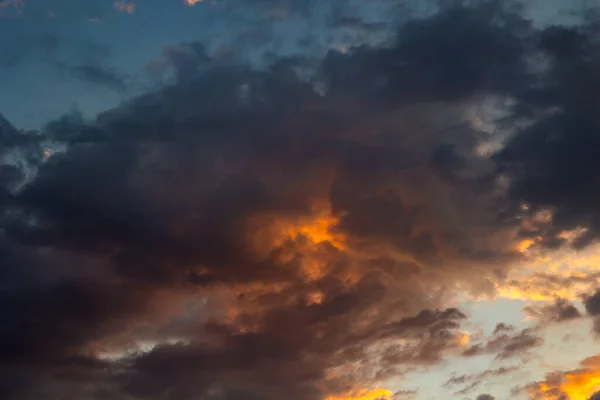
pixel 507 344
pixel 577 384
pixel 243 232
pixel 7 130
pixel 415 74
pixel 549 161
pixel 592 304
pixel 560 311
pixel 472 381
pixel 547 287
pixel 365 394
pixel 592 307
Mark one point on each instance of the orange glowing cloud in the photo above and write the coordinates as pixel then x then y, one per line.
pixel 547 287
pixel 311 233
pixel 524 245
pixel 579 384
pixel 318 228
pixel 315 298
pixel 364 394
pixel 464 338
pixel 312 236
pixel 192 3
pixel 547 274
pixel 530 292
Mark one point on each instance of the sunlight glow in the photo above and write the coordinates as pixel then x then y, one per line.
pixel 579 384
pixel 364 394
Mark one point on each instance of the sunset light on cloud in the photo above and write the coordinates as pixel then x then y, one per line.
pixel 365 394
pixel 578 384
pixel 300 200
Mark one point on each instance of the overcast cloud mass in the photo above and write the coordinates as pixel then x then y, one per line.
pixel 292 199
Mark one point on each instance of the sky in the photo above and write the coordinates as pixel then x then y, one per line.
pixel 299 199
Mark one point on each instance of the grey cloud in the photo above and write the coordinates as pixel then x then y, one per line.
pixel 507 345
pixel 560 311
pixel 592 304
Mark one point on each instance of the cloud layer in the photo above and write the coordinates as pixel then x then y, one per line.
pixel 301 230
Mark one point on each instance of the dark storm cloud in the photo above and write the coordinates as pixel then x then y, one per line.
pixel 267 230
pixel 42 317
pixel 486 44
pixel 552 162
pixel 275 351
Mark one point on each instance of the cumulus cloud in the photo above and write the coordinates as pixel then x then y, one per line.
pixel 252 233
